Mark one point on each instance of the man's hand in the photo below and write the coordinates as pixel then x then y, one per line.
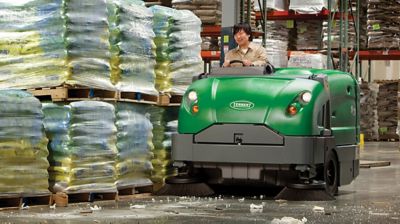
pixel 247 63
pixel 227 63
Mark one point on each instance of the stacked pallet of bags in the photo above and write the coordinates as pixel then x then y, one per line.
pixel 209 11
pixel 134 145
pixel 276 52
pixel 31 44
pixel 87 39
pixel 387 109
pixel 310 6
pixel 92 147
pixel 335 35
pixel 307 60
pixel 279 5
pixel 368 111
pixel 132 46
pixel 178 44
pixel 309 35
pixel 165 123
pixel 57 121
pixel 383 24
pixel 23 150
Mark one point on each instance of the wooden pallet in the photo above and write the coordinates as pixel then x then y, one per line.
pixel 15 201
pixel 169 100
pixel 74 93
pixel 149 3
pixel 131 192
pixel 10 201
pixel 92 196
pixel 79 93
pixel 136 97
pixel 62 199
pixel 389 137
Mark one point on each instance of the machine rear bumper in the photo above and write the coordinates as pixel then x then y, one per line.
pixel 294 150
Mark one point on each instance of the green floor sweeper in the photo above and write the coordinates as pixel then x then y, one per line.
pixel 291 127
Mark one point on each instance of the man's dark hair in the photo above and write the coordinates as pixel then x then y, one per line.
pixel 245 27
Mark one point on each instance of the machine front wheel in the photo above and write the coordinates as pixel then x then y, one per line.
pixel 331 173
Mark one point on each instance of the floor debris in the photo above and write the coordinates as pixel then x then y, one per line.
pixel 289 220
pixel 318 209
pixel 256 208
pixel 95 208
pixel 137 206
pixel 23 207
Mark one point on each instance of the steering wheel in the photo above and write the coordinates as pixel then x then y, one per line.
pixel 269 69
pixel 236 61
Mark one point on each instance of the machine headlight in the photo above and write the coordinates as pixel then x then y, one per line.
pixel 192 96
pixel 306 97
pixel 192 102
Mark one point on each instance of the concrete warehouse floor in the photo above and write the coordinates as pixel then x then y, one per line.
pixel 374 197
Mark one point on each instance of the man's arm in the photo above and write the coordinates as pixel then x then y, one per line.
pixel 261 57
pixel 227 60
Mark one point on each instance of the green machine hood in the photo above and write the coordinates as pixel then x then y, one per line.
pixel 254 100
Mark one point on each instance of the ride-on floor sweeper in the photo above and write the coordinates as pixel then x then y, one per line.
pixel 290 127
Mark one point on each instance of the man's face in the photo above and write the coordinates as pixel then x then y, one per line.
pixel 241 38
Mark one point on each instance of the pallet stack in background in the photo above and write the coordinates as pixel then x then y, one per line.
pixel 387 109
pixel 32 45
pixel 379 110
pixel 383 24
pixel 102 49
pixel 209 11
pixel 178 44
pixel 210 14
pixel 164 121
pixel 104 147
pixel 107 44
pixel 23 145
pixel 133 51
pixel 368 112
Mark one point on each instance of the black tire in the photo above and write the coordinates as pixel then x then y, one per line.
pixel 331 173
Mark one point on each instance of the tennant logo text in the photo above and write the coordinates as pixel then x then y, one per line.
pixel 242 105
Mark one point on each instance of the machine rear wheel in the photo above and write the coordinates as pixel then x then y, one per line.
pixel 331 173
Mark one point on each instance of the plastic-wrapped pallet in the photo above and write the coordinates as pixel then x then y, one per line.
pixel 23 145
pixel 335 35
pixel 309 6
pixel 276 52
pixel 209 11
pixel 309 35
pixel 87 41
pixel 383 24
pixel 133 48
pixel 92 146
pixel 165 123
pixel 178 48
pixel 368 111
pixel 57 120
pixel 210 44
pixel 134 144
pixel 387 109
pixel 31 44
pixel 278 30
pixel 306 60
pixel 279 5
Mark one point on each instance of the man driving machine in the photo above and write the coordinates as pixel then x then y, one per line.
pixel 246 53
